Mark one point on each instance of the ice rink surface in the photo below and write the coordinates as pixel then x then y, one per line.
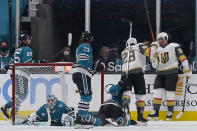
pixel 152 126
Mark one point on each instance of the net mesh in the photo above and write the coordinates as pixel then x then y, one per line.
pixel 32 83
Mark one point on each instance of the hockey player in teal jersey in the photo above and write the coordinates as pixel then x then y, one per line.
pixel 23 54
pixel 82 73
pixel 113 110
pixel 60 113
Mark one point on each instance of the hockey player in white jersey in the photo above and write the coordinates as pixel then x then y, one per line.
pixel 133 57
pixel 165 59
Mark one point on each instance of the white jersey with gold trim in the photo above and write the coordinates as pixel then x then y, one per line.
pixel 136 58
pixel 169 57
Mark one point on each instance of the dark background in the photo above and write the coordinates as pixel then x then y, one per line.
pixel 177 19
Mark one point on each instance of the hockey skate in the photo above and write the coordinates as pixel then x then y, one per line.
pixel 169 115
pixel 133 122
pixel 82 124
pixel 154 115
pixel 5 112
pixel 142 121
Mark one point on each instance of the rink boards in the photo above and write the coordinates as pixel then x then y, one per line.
pixel 39 86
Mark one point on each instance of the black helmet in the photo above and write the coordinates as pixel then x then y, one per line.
pixel 24 37
pixel 86 37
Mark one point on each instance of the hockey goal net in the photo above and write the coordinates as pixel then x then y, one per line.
pixel 32 82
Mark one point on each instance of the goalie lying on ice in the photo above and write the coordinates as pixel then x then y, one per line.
pixel 60 113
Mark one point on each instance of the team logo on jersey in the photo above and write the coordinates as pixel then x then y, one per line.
pixel 43 114
pixel 164 57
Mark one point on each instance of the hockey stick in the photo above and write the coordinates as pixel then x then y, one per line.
pixel 127 112
pixel 130 34
pixel 10 2
pixel 187 84
pixel 130 24
pixel 49 117
pixel 69 44
pixel 186 87
pixel 190 84
pixel 149 23
pixel 62 75
pixel 69 39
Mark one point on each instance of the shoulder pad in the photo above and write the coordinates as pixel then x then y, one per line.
pixel 140 43
pixel 174 44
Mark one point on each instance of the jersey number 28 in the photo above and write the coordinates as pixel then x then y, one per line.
pixel 131 56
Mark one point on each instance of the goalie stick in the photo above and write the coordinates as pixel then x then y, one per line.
pixel 48 123
pixel 49 117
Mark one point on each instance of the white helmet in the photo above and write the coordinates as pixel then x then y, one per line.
pixel 131 41
pixel 163 35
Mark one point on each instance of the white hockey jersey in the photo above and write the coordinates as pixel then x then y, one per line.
pixel 168 58
pixel 133 59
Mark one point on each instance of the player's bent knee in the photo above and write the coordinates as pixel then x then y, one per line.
pixel 157 92
pixel 139 97
pixel 170 95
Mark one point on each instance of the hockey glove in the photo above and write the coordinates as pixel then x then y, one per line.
pixel 32 119
pixel 43 61
pixel 99 66
pixel 188 74
pixel 67 120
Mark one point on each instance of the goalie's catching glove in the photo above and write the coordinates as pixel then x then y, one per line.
pixel 32 118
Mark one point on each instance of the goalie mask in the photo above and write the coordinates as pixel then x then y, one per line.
pixel 51 101
pixel 130 42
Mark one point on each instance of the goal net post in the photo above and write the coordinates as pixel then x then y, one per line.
pixel 32 82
